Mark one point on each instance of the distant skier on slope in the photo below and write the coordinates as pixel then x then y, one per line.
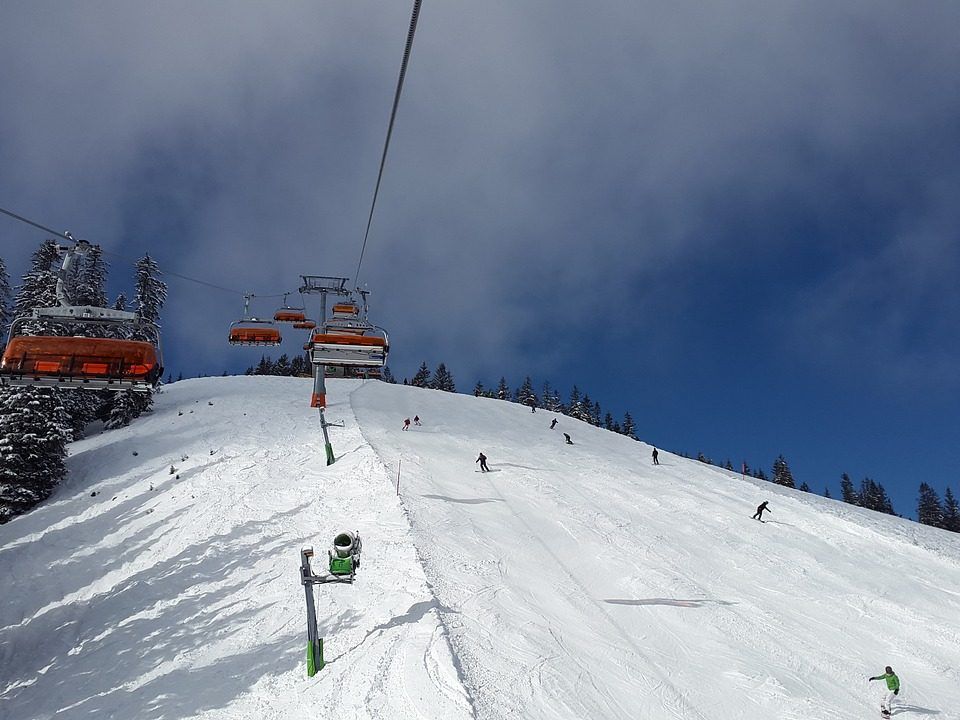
pixel 758 515
pixel 416 419
pixel 893 685
pixel 656 457
pixel 406 424
pixel 553 423
pixel 483 463
pixel 567 439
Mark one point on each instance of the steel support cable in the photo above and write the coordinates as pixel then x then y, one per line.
pixel 393 115
pixel 68 237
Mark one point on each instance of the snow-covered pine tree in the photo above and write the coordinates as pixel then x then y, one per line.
pixel 628 428
pixel 387 376
pixel 929 509
pixel 608 422
pixel 443 379
pixel 478 390
pixel 595 414
pixel 39 289
pixel 148 300
pixel 826 493
pixel 5 297
pixel 804 487
pixel 422 378
pixel 525 393
pixel 782 474
pixel 574 405
pixel 951 512
pixel 34 432
pixel 728 465
pixel 761 475
pixel 503 390
pixel 283 365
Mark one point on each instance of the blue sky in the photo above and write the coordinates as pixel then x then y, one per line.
pixel 738 221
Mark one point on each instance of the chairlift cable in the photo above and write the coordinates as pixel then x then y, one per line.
pixel 393 115
pixel 170 273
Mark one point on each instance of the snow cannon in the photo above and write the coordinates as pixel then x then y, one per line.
pixel 345 555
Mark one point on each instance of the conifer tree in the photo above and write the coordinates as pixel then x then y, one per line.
pixel 478 390
pixel 387 376
pixel 5 298
pixel 34 431
pixel 503 390
pixel 443 379
pixel 782 474
pixel 826 493
pixel 847 492
pixel 608 422
pixel 761 475
pixel 39 289
pixel 628 427
pixel 525 393
pixel 804 487
pixel 422 378
pixel 151 294
pixel 929 509
pixel 951 512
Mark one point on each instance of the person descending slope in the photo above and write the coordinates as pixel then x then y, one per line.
pixel 406 424
pixel 416 419
pixel 483 463
pixel 553 423
pixel 656 457
pixel 567 439
pixel 758 515
pixel 893 685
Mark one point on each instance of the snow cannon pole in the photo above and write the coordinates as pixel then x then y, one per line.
pixel 315 660
pixel 326 439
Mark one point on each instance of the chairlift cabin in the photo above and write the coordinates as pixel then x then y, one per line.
pixel 347 339
pixel 288 314
pixel 252 331
pixel 78 361
pixel 81 362
pixel 304 325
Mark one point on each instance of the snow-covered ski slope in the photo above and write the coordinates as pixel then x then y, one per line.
pixel 573 581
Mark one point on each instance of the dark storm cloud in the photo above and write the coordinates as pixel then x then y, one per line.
pixel 555 165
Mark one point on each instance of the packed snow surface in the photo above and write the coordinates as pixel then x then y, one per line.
pixel 572 581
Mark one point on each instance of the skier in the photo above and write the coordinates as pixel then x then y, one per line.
pixel 656 455
pixel 553 423
pixel 406 424
pixel 483 463
pixel 758 515
pixel 416 419
pixel 533 405
pixel 566 437
pixel 893 685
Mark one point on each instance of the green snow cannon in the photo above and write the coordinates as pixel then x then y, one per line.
pixel 345 555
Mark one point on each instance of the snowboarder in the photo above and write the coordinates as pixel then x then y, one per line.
pixel 758 515
pixel 406 424
pixel 893 685
pixel 566 437
pixel 553 423
pixel 656 456
pixel 483 463
pixel 416 419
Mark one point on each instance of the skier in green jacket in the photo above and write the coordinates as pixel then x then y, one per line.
pixel 893 685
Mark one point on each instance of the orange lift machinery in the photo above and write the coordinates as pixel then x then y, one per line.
pixel 80 361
